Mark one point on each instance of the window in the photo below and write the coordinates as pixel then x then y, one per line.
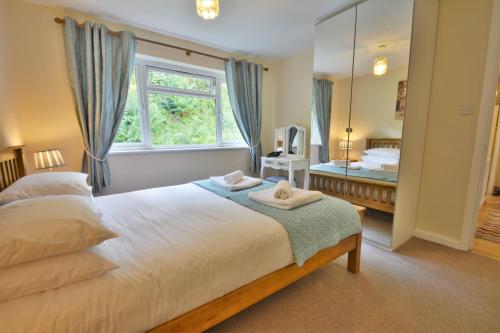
pixel 175 107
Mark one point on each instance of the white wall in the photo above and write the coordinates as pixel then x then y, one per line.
pixel 140 170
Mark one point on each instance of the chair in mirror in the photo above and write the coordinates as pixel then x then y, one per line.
pixel 288 156
pixel 359 96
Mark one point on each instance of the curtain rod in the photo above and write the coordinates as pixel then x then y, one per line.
pixel 188 51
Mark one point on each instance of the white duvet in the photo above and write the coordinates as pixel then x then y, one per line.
pixel 179 247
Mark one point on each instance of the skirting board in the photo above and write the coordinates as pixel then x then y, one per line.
pixel 439 239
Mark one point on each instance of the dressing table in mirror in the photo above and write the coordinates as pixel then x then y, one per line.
pixel 291 142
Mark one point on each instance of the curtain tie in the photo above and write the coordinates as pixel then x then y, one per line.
pixel 258 143
pixel 93 156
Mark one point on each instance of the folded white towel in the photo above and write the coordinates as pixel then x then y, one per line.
pixel 299 197
pixel 282 190
pixel 340 163
pixel 234 177
pixel 247 182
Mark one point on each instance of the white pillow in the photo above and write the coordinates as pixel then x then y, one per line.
pixel 375 159
pixel 387 152
pixel 41 227
pixel 50 273
pixel 47 183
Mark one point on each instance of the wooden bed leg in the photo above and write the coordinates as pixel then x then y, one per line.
pixel 354 256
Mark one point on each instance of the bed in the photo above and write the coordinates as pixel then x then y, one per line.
pixel 173 242
pixel 377 192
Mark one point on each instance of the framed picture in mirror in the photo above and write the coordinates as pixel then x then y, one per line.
pixel 401 100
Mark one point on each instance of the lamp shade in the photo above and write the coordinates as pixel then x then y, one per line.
pixel 207 9
pixel 48 159
pixel 344 145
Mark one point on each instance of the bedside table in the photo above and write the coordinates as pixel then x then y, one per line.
pixel 290 164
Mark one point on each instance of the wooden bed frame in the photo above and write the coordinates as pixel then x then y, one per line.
pixel 11 165
pixel 365 192
pixel 216 311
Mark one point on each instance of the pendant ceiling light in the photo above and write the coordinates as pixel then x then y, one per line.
pixel 207 9
pixel 380 63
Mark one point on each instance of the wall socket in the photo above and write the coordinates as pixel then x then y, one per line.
pixel 467 109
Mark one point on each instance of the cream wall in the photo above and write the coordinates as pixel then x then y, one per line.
pixel 42 101
pixel 487 101
pixel 9 132
pixel 459 63
pixel 373 107
pixel 294 91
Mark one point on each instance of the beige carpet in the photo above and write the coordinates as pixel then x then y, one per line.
pixel 422 288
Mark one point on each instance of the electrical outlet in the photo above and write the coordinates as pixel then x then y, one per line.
pixel 467 109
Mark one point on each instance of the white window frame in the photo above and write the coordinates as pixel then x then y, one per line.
pixel 142 65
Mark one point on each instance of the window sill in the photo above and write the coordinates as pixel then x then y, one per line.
pixel 142 150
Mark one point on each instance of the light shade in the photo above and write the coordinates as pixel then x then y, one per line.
pixel 48 159
pixel 207 9
pixel 344 145
pixel 380 65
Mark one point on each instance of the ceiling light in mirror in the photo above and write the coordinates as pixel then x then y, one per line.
pixel 207 9
pixel 380 65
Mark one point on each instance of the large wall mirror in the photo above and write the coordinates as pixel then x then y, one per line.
pixel 361 58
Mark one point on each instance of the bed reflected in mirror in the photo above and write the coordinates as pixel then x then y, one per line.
pixel 356 147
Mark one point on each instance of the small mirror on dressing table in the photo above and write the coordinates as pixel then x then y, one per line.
pixel 290 141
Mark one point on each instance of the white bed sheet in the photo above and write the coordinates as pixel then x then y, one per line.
pixel 179 247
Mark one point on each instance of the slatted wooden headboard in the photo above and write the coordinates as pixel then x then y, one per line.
pixel 11 165
pixel 383 143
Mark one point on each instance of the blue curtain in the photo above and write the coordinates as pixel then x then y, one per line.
pixel 244 85
pixel 100 66
pixel 322 108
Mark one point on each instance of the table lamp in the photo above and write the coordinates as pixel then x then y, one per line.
pixel 345 145
pixel 48 159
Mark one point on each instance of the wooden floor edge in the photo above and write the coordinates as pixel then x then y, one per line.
pixel 212 313
pixel 486 248
pixel 481 246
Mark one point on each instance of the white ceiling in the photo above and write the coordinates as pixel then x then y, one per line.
pixel 379 22
pixel 265 28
